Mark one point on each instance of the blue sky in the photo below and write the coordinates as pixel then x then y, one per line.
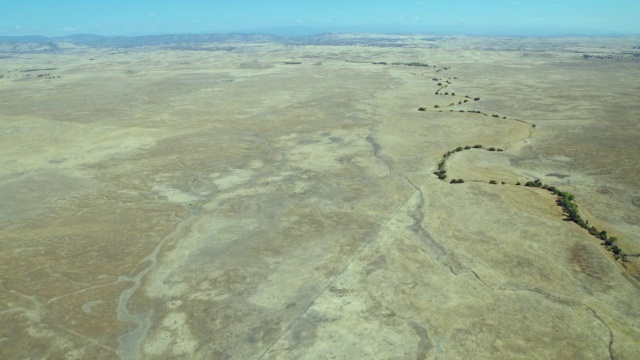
pixel 130 17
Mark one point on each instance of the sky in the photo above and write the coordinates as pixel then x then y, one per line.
pixel 481 17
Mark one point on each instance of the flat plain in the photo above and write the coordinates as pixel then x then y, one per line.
pixel 276 200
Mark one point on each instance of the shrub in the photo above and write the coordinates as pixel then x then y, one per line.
pixel 492 182
pixel 422 109
pixel 467 147
pixel 495 116
pixel 476 99
pixel 459 148
pixel 436 106
pixel 477 146
pixel 492 149
pixel 518 183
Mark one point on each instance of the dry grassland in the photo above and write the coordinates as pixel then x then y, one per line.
pixel 172 204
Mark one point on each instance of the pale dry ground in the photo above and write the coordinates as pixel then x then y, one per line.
pixel 164 204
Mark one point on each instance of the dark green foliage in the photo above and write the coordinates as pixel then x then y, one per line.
pixel 459 148
pixel 467 147
pixel 518 183
pixel 476 99
pixel 492 149
pixel 453 94
pixel 436 106
pixel 466 101
pixel 493 182
pixel 602 235
pixel 414 63
pixel 422 109
pixel 441 174
pixel 495 116
pixel 535 183
pixel 616 250
pixel 456 181
pixel 477 146
pixel 499 149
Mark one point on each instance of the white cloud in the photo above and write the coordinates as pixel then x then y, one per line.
pixel 69 28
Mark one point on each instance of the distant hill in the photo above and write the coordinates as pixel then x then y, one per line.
pixel 40 44
pixel 43 43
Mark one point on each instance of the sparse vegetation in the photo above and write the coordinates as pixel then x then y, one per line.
pixel 567 202
pixel 564 199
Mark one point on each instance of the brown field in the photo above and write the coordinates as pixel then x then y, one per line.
pixel 277 201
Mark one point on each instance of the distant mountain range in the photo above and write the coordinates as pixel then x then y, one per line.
pixel 41 44
pixel 134 41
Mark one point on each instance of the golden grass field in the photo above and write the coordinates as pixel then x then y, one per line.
pixel 277 201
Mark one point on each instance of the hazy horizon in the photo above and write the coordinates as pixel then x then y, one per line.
pixel 516 17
